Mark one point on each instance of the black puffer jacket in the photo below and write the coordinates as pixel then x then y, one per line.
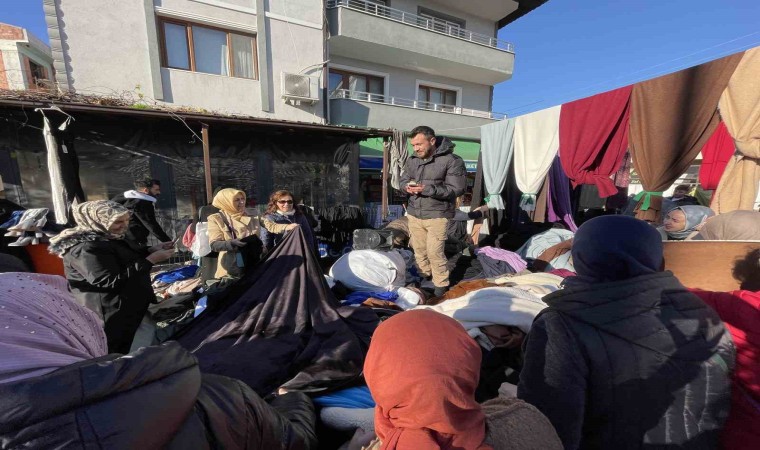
pixel 442 174
pixel 112 278
pixel 155 398
pixel 143 222
pixel 634 364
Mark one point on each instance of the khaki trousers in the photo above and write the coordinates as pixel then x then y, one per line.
pixel 427 238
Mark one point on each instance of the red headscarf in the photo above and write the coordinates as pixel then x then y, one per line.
pixel 422 369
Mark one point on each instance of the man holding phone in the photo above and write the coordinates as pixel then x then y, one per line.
pixel 433 177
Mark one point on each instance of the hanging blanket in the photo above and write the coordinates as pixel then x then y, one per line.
pixel 536 143
pixel 283 330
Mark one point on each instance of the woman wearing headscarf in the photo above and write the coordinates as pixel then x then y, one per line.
pixel 684 222
pixel 732 226
pixel 107 273
pixel 625 357
pixel 422 370
pixel 740 311
pixel 61 389
pixel 230 231
pixel 282 211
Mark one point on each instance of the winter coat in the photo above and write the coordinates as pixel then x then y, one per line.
pixel 442 174
pixel 143 222
pixel 740 311
pixel 112 278
pixel 633 364
pixel 154 398
pixel 270 239
pixel 220 235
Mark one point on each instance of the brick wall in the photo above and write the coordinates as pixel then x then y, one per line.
pixel 3 74
pixel 10 32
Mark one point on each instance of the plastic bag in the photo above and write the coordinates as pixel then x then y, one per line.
pixel 201 246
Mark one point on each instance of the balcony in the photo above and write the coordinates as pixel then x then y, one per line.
pixel 379 111
pixel 369 31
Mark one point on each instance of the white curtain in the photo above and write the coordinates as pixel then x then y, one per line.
pixel 536 145
pixel 497 146
pixel 242 52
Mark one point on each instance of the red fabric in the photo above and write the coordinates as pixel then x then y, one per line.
pixel 740 311
pixel 593 138
pixel 189 237
pixel 422 369
pixel 716 153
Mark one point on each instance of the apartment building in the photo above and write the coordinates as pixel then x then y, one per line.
pixel 375 63
pixel 25 61
pixel 399 63
pixel 253 57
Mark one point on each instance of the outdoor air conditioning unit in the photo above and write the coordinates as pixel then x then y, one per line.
pixel 300 88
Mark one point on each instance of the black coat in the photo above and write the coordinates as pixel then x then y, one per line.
pixel 143 222
pixel 443 175
pixel 112 278
pixel 155 398
pixel 634 364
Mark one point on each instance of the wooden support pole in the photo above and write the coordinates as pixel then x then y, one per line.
pixel 207 164
pixel 386 164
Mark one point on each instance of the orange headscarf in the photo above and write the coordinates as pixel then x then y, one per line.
pixel 422 369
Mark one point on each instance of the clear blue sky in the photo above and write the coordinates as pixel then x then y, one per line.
pixel 569 49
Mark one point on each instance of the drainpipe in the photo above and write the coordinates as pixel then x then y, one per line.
pixel 326 67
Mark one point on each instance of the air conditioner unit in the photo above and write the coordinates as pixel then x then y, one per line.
pixel 300 88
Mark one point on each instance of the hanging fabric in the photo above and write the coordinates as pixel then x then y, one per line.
pixel 716 153
pixel 672 117
pixel 740 109
pixel 536 142
pixel 399 155
pixel 559 207
pixel 593 136
pixel 59 195
pixel 496 148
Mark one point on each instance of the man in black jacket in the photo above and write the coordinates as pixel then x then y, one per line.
pixel 433 177
pixel 141 203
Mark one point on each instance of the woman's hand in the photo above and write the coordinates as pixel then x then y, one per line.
pixel 292 226
pixel 238 243
pixel 160 255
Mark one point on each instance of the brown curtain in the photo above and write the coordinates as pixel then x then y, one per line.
pixel 740 109
pixel 672 117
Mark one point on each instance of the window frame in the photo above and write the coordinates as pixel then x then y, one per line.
pixel 161 21
pixel 445 91
pixel 36 81
pixel 346 74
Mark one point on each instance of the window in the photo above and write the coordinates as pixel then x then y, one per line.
pixel 39 74
pixel 436 96
pixel 359 84
pixel 200 48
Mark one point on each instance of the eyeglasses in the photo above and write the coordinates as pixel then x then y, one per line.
pixel 284 202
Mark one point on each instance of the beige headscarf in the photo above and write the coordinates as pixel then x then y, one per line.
pixel 93 221
pixel 224 200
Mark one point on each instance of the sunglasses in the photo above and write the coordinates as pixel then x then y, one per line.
pixel 284 202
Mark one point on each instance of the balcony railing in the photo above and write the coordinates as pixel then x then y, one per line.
pixel 427 23
pixel 416 104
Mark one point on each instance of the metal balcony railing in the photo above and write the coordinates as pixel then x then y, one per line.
pixel 428 23
pixel 416 104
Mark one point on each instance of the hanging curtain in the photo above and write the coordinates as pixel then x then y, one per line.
pixel 242 53
pixel 740 108
pixel 672 117
pixel 496 148
pixel 399 155
pixel 593 134
pixel 559 208
pixel 536 143
pixel 716 153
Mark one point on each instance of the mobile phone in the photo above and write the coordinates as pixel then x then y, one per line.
pixel 174 242
pixel 412 183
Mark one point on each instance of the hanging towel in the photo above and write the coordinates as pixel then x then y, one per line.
pixel 672 117
pixel 593 135
pixel 559 207
pixel 496 148
pixel 716 153
pixel 740 109
pixel 536 144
